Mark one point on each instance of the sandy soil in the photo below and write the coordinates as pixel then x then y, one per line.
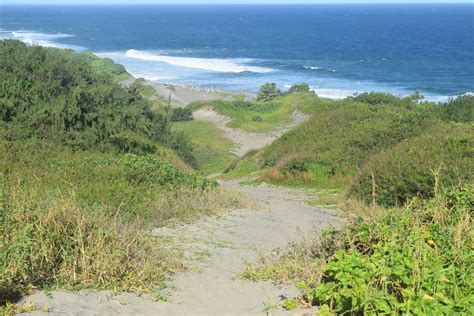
pixel 184 95
pixel 216 248
pixel 244 140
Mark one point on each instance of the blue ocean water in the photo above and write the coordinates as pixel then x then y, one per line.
pixel 337 49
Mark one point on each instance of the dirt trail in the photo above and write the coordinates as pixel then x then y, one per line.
pixel 216 248
pixel 245 140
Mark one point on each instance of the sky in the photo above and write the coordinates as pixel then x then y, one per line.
pixel 221 1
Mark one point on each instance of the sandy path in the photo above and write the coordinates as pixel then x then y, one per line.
pixel 245 140
pixel 216 248
pixel 183 95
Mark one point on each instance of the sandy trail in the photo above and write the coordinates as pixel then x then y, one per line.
pixel 216 249
pixel 181 95
pixel 245 141
pixel 184 95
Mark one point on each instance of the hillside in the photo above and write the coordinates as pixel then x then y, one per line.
pixel 102 188
pixel 86 166
pixel 341 137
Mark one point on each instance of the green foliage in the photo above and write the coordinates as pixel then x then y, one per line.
pixel 303 87
pixel 337 140
pixel 75 219
pixel 181 114
pixel 147 169
pixel 378 98
pixel 212 150
pixel 460 109
pixel 268 92
pixel 63 96
pixel 101 65
pixel 412 261
pixel 409 168
pixel 273 115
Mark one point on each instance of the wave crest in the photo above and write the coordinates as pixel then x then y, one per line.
pixel 40 39
pixel 215 65
pixel 319 68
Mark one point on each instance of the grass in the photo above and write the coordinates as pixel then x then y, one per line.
pixel 339 137
pixel 78 219
pixel 211 148
pixel 121 77
pixel 262 117
pixel 252 117
pixel 53 241
pixel 147 91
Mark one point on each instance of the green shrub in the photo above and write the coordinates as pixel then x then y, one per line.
pixel 181 115
pixel 409 168
pixel 299 88
pixel 268 92
pixel 378 98
pixel 64 96
pixel 412 261
pixel 460 109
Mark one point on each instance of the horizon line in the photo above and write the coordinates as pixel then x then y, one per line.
pixel 227 4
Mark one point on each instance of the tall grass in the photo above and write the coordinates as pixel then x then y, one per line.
pixel 75 219
pixel 408 169
pixel 50 240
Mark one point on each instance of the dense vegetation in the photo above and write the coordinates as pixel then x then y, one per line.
pixel 409 168
pixel 56 95
pixel 401 141
pixel 86 169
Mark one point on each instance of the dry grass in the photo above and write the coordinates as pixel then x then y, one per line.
pixel 52 241
pixel 187 204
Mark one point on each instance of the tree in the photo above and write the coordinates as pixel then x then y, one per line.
pixel 268 92
pixel 299 88
pixel 181 114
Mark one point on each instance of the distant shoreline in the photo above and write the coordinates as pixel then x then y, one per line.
pixel 183 95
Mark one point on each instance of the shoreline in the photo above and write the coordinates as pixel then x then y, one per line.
pixel 182 95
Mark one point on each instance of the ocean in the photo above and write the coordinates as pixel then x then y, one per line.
pixel 338 50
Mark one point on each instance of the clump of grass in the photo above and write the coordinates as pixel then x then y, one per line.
pixel 187 204
pixel 50 240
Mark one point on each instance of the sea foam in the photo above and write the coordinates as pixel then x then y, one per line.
pixel 319 68
pixel 41 39
pixel 214 65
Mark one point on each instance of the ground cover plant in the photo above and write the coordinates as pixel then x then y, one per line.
pixel 411 260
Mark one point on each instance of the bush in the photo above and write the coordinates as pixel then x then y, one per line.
pixel 299 88
pixel 460 109
pixel 66 97
pixel 408 169
pixel 378 98
pixel 268 92
pixel 412 261
pixel 181 115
